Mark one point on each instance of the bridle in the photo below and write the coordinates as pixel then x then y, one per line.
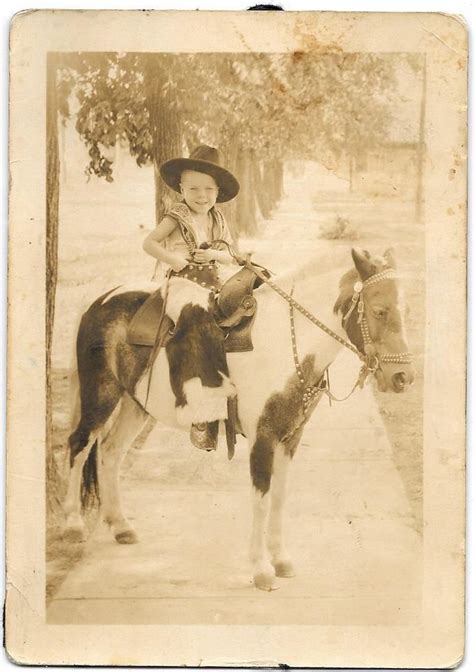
pixel 357 301
pixel 370 358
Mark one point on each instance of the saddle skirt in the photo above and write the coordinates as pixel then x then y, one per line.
pixel 232 305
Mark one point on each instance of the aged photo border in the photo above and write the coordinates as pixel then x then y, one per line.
pixel 439 640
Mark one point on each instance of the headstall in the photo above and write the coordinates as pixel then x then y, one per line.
pixel 373 359
pixel 370 358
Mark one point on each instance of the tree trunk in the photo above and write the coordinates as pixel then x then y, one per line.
pixel 421 150
pixel 230 152
pixel 191 140
pixel 63 165
pixel 279 180
pixel 260 191
pixel 245 219
pixel 52 220
pixel 273 182
pixel 165 127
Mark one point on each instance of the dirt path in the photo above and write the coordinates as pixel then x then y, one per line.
pixel 352 513
pixel 349 527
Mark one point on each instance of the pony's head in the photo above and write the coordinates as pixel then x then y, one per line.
pixel 369 304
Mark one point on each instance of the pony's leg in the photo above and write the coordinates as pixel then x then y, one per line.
pixel 261 462
pixel 128 424
pixel 74 528
pixel 279 557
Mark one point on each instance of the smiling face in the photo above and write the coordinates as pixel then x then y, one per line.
pixel 199 191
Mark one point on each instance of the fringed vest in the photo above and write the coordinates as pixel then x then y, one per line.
pixel 182 215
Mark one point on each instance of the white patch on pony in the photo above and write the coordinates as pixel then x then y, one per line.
pixel 404 310
pixel 147 286
pixel 205 404
pixel 226 271
pixel 111 421
pixel 315 266
pixel 281 462
pixel 181 292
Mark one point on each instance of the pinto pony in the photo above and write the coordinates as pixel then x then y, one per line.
pixel 278 386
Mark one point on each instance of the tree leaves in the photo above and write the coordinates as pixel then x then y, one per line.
pixel 109 91
pixel 305 106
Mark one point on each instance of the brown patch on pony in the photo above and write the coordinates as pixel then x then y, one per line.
pixel 346 286
pixel 282 417
pixel 343 304
pixel 196 351
pixel 366 267
pixel 107 365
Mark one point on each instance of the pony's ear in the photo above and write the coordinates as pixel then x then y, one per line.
pixel 389 255
pixel 362 262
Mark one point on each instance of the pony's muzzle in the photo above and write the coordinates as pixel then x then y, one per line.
pixel 401 380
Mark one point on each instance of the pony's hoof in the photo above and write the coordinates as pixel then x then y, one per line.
pixel 284 569
pixel 74 535
pixel 126 537
pixel 264 582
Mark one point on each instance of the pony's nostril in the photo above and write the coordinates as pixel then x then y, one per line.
pixel 399 380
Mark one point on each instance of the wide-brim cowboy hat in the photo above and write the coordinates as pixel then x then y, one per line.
pixel 203 159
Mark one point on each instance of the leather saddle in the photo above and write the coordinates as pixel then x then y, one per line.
pixel 234 309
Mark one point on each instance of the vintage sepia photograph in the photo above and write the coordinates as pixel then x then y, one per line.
pixel 238 335
pixel 237 299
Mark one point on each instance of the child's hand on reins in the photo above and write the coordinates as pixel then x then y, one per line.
pixel 178 263
pixel 203 256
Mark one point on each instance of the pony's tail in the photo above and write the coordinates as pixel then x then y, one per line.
pixel 90 493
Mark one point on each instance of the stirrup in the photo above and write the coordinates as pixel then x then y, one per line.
pixel 203 435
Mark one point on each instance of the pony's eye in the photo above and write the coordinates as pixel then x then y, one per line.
pixel 379 312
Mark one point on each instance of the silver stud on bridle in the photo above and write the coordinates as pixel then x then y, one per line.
pixel 370 358
pixel 373 358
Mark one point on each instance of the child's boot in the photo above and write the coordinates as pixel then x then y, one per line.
pixel 204 435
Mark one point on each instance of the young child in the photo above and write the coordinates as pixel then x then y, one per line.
pixel 183 242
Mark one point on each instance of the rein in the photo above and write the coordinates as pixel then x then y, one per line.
pixel 370 358
pixel 312 393
pixel 259 272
